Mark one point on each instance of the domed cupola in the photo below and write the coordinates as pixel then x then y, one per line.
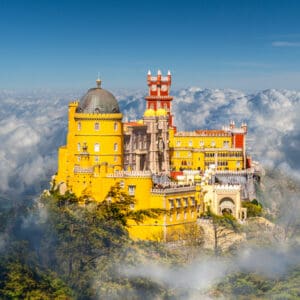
pixel 98 101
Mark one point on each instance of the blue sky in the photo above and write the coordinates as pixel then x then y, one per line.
pixel 248 45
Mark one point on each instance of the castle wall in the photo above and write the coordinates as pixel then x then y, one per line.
pixel 101 152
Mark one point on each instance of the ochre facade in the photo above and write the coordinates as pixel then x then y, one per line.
pixel 150 160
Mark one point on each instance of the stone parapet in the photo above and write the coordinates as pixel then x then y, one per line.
pixel 79 170
pixel 173 190
pixel 130 174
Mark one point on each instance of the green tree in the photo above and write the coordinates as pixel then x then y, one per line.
pixel 254 208
pixel 24 282
pixel 118 207
pixel 80 232
pixel 223 229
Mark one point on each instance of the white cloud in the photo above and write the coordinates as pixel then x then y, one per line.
pixel 33 125
pixel 285 44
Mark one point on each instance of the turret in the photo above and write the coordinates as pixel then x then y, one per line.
pixel 169 77
pixel 149 77
pixel 159 97
pixel 244 127
pixel 158 75
pixel 232 124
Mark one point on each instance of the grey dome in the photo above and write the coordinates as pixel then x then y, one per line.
pixel 98 101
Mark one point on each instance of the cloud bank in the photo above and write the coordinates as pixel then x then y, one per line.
pixel 285 44
pixel 34 124
pixel 200 276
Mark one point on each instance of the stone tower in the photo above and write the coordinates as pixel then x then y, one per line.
pixel 159 93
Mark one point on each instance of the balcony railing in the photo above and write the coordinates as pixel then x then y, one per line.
pixel 231 172
pixel 130 174
pixel 81 170
pixel 173 190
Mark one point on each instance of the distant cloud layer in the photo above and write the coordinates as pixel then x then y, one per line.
pixel 285 44
pixel 33 125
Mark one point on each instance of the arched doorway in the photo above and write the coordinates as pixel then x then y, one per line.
pixel 227 206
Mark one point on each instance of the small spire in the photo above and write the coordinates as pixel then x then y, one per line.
pixel 149 72
pixel 98 81
pixel 169 72
pixel 158 72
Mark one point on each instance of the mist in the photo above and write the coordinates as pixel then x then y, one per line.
pixel 34 125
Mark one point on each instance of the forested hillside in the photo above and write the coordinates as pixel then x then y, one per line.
pixel 62 247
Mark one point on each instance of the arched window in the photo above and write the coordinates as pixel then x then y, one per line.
pixel 97 147
pixel 97 126
pixel 115 126
pixel 78 147
pixel 225 144
pixel 78 126
pixel 115 147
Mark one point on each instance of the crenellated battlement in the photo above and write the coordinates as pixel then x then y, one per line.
pixel 227 187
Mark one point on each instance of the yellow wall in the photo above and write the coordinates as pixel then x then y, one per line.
pixel 198 152
pixel 87 170
pixel 88 146
pixel 184 210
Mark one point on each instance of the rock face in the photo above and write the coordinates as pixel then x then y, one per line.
pixel 262 231
pixel 257 230
pixel 225 237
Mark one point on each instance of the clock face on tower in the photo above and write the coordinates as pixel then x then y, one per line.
pixel 153 87
pixel 164 88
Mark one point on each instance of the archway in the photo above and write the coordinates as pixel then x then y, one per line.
pixel 226 211
pixel 226 206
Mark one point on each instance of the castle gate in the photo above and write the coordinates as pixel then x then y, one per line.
pixel 227 206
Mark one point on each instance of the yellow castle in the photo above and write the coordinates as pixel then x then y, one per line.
pixel 183 173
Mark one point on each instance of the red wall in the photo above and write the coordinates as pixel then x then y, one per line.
pixel 239 140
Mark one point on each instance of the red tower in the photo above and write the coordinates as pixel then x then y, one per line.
pixel 159 97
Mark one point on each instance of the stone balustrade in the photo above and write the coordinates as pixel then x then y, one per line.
pixel 130 174
pixel 81 170
pixel 241 172
pixel 173 190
